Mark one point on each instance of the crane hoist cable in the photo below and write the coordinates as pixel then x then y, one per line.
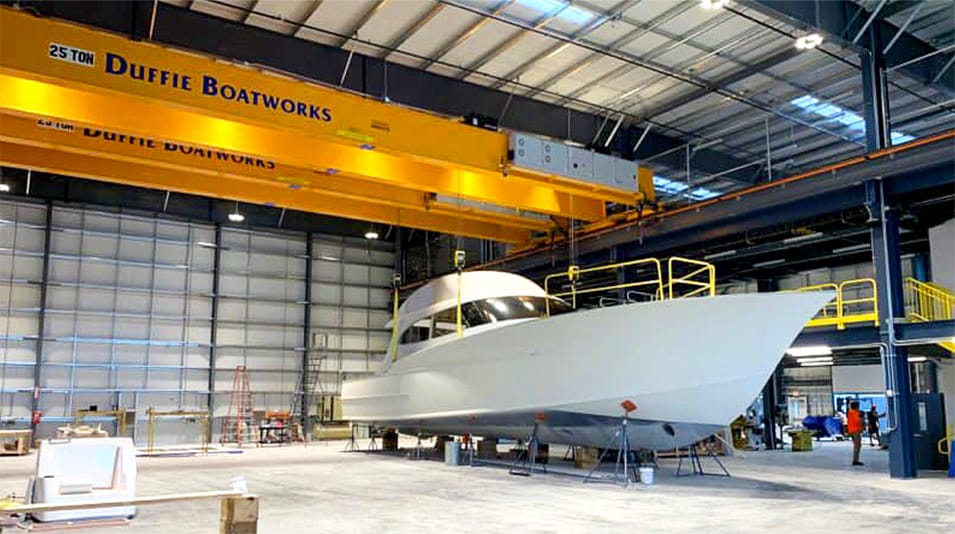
pixel 573 270
pixel 396 280
pixel 395 283
pixel 459 256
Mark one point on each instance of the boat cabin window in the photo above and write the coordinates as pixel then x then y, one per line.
pixel 482 312
pixel 420 331
pixel 506 308
pixel 446 322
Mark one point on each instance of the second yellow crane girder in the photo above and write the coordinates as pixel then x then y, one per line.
pixel 441 218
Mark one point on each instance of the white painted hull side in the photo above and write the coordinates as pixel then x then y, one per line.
pixel 690 365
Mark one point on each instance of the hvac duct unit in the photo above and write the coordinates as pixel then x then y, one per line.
pixel 554 157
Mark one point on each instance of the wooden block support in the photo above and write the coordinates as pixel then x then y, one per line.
pixel 389 441
pixel 239 515
pixel 14 442
pixel 487 448
pixel 586 457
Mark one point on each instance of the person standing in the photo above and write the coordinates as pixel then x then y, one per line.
pixel 872 425
pixel 854 430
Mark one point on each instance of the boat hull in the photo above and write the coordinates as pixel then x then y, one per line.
pixel 690 366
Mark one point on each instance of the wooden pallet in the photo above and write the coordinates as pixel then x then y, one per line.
pixel 59 526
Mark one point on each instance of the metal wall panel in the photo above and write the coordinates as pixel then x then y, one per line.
pixel 351 302
pixel 260 316
pixel 129 314
pixel 21 265
pixel 128 304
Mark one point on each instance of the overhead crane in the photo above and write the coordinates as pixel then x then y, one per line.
pixel 86 103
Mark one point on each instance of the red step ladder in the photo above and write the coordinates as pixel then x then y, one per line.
pixel 237 426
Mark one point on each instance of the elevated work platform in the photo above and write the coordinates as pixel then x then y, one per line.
pixel 929 315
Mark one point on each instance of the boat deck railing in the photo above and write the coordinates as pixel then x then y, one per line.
pixel 642 280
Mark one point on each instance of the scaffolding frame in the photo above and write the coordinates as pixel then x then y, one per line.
pixel 153 414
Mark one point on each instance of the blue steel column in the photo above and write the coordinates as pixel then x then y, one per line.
pixel 616 256
pixel 920 267
pixel 306 421
pixel 875 98
pixel 895 366
pixel 213 331
pixel 41 319
pixel 888 266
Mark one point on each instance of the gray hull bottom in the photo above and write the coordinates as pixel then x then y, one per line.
pixel 563 428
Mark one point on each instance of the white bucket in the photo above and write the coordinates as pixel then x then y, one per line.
pixel 646 475
pixel 239 484
pixel 452 453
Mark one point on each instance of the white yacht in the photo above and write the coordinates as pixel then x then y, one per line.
pixel 522 357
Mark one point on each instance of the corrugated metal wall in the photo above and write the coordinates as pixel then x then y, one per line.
pixel 130 314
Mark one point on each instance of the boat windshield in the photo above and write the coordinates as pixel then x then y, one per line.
pixel 482 312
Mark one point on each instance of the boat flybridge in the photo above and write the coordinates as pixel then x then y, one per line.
pixel 493 354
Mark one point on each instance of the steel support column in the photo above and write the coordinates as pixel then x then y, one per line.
pixel 888 273
pixel 41 321
pixel 615 256
pixel 771 389
pixel 306 339
pixel 874 94
pixel 920 267
pixel 840 20
pixel 213 330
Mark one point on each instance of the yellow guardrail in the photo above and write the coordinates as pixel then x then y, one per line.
pixel 574 274
pixel 843 310
pixel 700 280
pixel 861 309
pixel 684 278
pixel 928 302
pixel 829 314
pixel 945 444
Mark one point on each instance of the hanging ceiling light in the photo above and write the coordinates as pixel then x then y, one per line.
pixel 810 350
pixel 371 234
pixel 235 216
pixel 713 4
pixel 808 42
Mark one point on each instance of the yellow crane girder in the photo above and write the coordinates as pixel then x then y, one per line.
pixel 206 126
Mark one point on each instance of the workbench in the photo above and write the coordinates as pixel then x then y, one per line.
pixel 271 433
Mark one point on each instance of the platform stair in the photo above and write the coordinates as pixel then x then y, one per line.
pixel 930 302
pixel 311 387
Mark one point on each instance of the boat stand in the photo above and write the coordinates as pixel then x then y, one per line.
pixel 526 457
pixel 625 469
pixel 352 445
pixel 570 454
pixel 693 457
pixel 416 453
pixel 373 440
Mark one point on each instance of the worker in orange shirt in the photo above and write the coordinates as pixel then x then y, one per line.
pixel 854 429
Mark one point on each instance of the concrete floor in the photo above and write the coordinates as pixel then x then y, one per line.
pixel 321 489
